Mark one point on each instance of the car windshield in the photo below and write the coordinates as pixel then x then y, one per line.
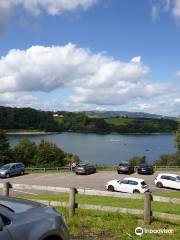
pixel 5 167
pixel 144 165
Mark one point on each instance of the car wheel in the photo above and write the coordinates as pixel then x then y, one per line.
pixel 136 191
pixel 77 173
pixel 159 185
pixel 7 175
pixel 110 188
pixel 118 172
pixel 21 173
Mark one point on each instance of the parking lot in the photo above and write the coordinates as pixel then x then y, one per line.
pixel 92 181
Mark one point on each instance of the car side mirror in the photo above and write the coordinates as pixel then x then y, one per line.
pixel 1 224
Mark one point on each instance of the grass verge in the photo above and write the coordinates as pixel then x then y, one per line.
pixel 110 201
pixel 97 225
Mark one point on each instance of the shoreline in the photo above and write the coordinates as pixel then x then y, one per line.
pixel 30 133
pixel 52 133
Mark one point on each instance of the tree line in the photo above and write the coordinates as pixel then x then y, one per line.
pixel 31 119
pixel 43 154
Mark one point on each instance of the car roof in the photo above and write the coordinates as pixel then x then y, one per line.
pixel 169 174
pixel 134 179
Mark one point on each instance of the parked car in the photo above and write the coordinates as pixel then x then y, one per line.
pixel 24 219
pixel 128 185
pixel 12 169
pixel 125 168
pixel 168 180
pixel 84 169
pixel 145 169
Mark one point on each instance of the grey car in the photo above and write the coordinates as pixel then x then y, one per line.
pixel 12 169
pixel 84 169
pixel 28 220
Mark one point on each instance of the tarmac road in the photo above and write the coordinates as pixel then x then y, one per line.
pixel 92 181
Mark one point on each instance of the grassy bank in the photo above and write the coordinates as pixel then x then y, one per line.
pixel 97 225
pixel 114 202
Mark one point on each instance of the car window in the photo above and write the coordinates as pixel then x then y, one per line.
pixel 132 182
pixel 165 177
pixel 172 178
pixel 13 167
pixel 19 165
pixel 124 182
pixel 5 167
pixel 178 178
pixel 6 220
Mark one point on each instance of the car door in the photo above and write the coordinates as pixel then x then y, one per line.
pixel 174 183
pixel 122 186
pixel 133 185
pixel 4 234
pixel 165 180
pixel 13 170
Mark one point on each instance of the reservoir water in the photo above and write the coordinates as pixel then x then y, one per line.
pixel 108 149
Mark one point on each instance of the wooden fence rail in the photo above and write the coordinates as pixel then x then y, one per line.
pixel 72 205
pixel 45 169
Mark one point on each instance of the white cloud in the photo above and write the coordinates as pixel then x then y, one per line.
pixel 95 81
pixel 176 8
pixel 95 78
pixel 36 7
pixel 166 6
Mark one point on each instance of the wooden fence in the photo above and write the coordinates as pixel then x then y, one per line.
pixel 46 169
pixel 72 205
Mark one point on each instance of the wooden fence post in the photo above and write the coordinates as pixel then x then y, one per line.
pixel 72 201
pixel 6 187
pixel 147 208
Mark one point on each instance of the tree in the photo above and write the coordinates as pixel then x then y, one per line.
pixel 25 151
pixel 49 155
pixel 4 148
pixel 70 158
pixel 178 137
pixel 137 160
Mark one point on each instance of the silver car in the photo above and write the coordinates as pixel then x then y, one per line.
pixel 12 169
pixel 28 220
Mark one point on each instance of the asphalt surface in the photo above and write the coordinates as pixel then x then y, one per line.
pixel 92 181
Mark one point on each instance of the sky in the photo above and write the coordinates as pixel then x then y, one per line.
pixel 78 55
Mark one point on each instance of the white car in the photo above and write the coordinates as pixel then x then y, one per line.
pixel 168 180
pixel 128 185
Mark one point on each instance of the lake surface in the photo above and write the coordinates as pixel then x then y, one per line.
pixel 108 149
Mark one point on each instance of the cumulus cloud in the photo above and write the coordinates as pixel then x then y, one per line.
pixel 95 81
pixel 36 7
pixel 95 78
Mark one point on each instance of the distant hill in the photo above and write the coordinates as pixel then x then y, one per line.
pixel 133 115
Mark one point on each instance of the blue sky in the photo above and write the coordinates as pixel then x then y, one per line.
pixel 122 55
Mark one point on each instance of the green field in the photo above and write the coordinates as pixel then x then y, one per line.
pixel 118 121
pixel 97 225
